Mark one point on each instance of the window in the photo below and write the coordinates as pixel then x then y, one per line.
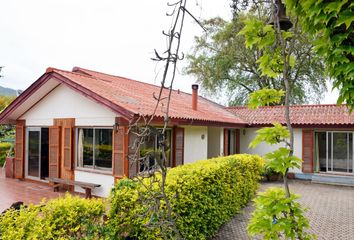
pixel 334 151
pixel 94 148
pixel 151 150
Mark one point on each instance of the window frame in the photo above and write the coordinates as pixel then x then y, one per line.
pixel 94 168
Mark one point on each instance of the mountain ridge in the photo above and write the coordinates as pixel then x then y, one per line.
pixel 4 91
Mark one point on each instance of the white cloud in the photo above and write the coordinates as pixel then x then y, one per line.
pixel 116 37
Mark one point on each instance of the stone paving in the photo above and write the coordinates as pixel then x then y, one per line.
pixel 13 190
pixel 330 211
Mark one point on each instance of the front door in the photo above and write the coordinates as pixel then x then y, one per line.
pixel 37 153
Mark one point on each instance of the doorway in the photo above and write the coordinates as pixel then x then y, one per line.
pixel 37 157
pixel 335 151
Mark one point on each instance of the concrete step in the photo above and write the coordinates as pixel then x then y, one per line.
pixel 333 179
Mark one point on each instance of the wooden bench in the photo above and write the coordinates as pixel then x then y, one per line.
pixel 57 182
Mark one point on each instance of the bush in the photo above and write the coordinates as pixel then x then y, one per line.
pixel 4 149
pixel 278 217
pixel 68 217
pixel 203 196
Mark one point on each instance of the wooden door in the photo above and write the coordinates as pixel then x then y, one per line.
pixel 307 151
pixel 178 146
pixel 67 147
pixel 20 149
pixel 54 152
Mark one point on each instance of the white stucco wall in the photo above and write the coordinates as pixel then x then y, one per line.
pixel 106 182
pixel 263 148
pixel 215 141
pixel 64 102
pixel 195 148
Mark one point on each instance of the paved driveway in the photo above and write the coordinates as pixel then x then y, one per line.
pixel 330 210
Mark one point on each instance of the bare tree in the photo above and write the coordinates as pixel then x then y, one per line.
pixel 153 165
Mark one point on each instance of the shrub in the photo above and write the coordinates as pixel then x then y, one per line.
pixel 68 217
pixel 203 196
pixel 278 217
pixel 4 149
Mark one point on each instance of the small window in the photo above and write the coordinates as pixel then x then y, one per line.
pixel 152 152
pixel 94 148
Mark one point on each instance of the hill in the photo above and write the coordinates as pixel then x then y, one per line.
pixel 7 91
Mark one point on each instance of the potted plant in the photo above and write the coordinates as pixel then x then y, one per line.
pixel 270 175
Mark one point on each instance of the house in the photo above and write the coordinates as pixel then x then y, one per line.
pixel 74 125
pixel 323 138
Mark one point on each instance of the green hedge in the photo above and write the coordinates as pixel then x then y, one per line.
pixel 4 148
pixel 209 193
pixel 63 218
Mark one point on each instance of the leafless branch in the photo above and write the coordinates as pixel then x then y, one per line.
pixel 142 129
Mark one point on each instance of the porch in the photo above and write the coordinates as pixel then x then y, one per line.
pixel 13 190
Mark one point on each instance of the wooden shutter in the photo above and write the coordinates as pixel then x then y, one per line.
pixel 226 142
pixel 307 151
pixel 237 141
pixel 120 147
pixel 54 152
pixel 178 146
pixel 67 147
pixel 19 149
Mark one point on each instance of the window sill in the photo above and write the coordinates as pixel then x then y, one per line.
pixel 97 171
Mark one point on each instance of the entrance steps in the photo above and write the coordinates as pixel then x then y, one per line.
pixel 328 178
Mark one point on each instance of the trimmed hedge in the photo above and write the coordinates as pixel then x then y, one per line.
pixel 68 217
pixel 203 195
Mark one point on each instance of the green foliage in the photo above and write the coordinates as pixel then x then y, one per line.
pixel 5 147
pixel 278 217
pixel 270 135
pixel 222 63
pixel 270 174
pixel 332 25
pixel 262 37
pixel 203 196
pixel 64 218
pixel 5 101
pixel 280 160
pixel 264 97
pixel 7 132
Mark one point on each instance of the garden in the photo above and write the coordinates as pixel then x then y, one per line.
pixel 202 195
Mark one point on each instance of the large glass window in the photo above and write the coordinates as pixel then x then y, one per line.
pixel 334 151
pixel 94 148
pixel 151 150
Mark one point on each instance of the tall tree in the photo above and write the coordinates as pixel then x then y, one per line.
pixel 221 63
pixel 332 25
pixel 276 215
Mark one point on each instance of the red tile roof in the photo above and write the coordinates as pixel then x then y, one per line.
pixel 329 114
pixel 137 97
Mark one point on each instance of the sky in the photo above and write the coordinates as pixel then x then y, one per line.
pixel 111 36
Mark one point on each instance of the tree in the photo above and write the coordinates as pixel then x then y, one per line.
pixel 5 101
pixel 221 62
pixel 277 215
pixel 332 25
pixel 6 131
